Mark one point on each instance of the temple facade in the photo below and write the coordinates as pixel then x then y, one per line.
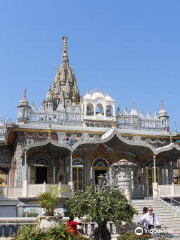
pixel 72 139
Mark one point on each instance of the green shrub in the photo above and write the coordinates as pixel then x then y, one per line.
pixel 30 232
pixel 130 236
pixel 59 232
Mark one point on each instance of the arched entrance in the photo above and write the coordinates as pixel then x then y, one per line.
pixel 100 166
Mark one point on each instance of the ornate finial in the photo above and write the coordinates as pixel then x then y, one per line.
pixel 65 46
pixel 133 106
pixel 87 90
pixel 176 130
pixel 74 96
pixel 113 123
pixel 24 96
pixel 162 104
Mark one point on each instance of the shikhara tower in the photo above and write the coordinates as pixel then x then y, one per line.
pixel 73 140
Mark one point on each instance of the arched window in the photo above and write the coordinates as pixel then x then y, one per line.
pixel 109 112
pixel 89 110
pixel 99 109
pixel 100 162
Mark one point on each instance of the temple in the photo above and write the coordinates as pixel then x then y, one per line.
pixel 71 140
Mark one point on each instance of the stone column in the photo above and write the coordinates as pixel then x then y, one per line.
pixel 154 165
pixel 145 182
pixel 71 171
pixel 19 170
pixel 166 173
pixel 171 172
pixel 124 182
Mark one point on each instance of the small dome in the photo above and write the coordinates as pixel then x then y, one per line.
pixel 108 98
pixel 87 96
pixel 163 112
pixel 97 95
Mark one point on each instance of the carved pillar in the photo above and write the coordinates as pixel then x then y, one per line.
pixel 166 179
pixel 19 170
pixel 145 181
pixel 25 165
pixel 154 165
pixel 71 171
pixel 86 172
pixel 171 172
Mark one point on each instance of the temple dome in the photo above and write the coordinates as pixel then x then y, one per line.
pixel 97 95
pixel 87 96
pixel 108 98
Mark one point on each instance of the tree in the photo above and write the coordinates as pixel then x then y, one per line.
pixel 101 207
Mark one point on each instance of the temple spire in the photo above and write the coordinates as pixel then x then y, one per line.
pixel 65 47
pixel 162 104
pixel 24 95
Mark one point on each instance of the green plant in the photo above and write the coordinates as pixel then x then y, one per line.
pixel 101 207
pixel 130 236
pixel 30 232
pixel 50 199
pixel 59 232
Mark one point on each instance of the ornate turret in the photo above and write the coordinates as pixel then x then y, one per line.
pixel 125 111
pixel 118 112
pixel 48 102
pixel 23 112
pixel 164 117
pixel 134 111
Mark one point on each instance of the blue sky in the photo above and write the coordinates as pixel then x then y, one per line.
pixel 130 49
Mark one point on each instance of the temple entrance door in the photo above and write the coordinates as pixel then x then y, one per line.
pixel 41 175
pixel 150 179
pixel 97 172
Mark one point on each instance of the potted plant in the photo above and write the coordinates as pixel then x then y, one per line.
pixel 49 201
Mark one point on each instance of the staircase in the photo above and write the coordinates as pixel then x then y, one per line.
pixel 164 217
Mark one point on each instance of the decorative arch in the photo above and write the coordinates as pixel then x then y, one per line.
pixel 99 109
pixel 101 153
pixel 77 162
pixel 89 109
pixel 109 111
pixel 42 160
pixel 100 162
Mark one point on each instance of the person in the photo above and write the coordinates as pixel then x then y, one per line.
pixel 145 210
pixel 149 219
pixel 72 226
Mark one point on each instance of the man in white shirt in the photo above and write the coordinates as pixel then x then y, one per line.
pixel 149 219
